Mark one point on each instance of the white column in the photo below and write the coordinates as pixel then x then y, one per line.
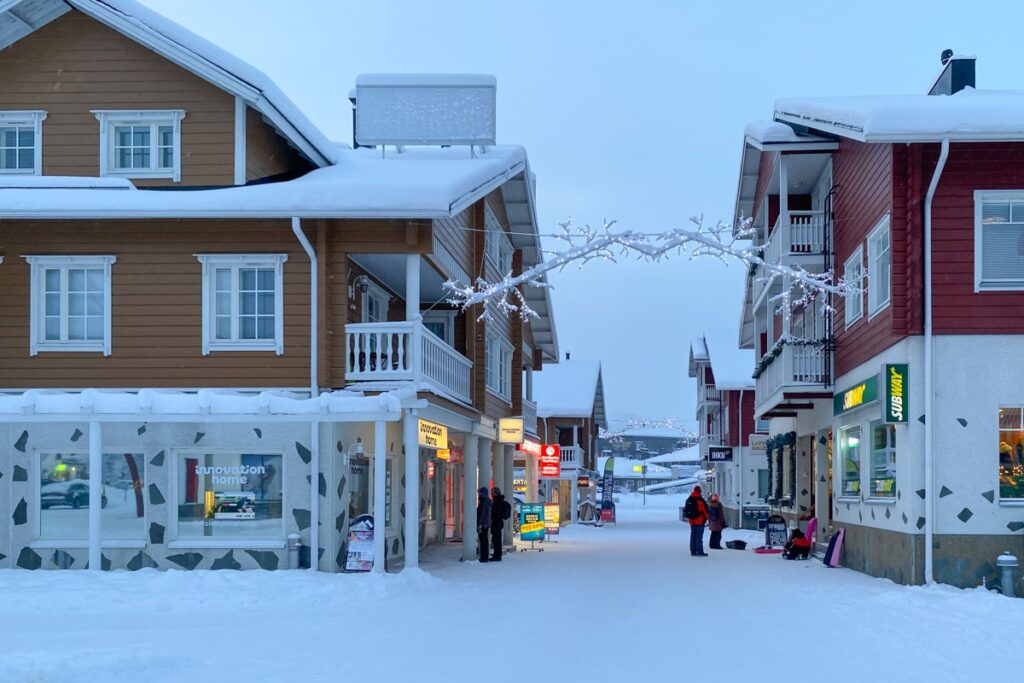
pixel 412 286
pixel 508 478
pixel 529 382
pixel 412 490
pixel 531 478
pixel 380 459
pixel 486 453
pixel 95 495
pixel 784 190
pixel 469 472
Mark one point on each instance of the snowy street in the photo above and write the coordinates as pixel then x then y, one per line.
pixel 602 602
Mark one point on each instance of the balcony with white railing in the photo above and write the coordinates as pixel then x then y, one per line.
pixel 405 351
pixel 708 439
pixel 798 238
pixel 530 417
pixel 709 398
pixel 572 457
pixel 798 368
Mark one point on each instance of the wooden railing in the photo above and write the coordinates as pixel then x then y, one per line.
pixel 801 234
pixel 405 351
pixel 797 365
pixel 572 457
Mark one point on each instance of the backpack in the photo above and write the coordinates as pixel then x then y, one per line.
pixel 506 509
pixel 690 508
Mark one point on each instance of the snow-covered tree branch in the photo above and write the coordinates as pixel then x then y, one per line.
pixel 585 244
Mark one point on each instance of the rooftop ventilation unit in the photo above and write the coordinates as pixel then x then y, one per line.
pixel 425 109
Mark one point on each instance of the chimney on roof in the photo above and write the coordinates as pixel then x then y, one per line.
pixel 957 74
pixel 567 354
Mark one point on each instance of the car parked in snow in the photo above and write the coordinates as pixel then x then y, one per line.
pixel 73 494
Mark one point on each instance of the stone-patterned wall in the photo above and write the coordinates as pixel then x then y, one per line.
pixel 159 443
pixel 884 554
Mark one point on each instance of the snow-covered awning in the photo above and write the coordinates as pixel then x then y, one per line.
pixel 984 115
pixel 205 405
pixel 687 456
pixel 418 183
pixel 572 388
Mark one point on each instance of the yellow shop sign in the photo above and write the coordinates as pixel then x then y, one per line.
pixel 433 435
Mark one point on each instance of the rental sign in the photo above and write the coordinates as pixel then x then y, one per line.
pixel 550 460
pixel 895 407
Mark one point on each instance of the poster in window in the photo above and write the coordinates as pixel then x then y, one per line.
pixel 234 505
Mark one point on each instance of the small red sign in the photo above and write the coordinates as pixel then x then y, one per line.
pixel 583 482
pixel 430 469
pixel 550 460
pixel 530 448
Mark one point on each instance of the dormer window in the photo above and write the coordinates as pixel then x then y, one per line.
pixel 21 142
pixel 140 144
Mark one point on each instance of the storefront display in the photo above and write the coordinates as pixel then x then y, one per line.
pixel 1011 452
pixel 64 496
pixel 849 455
pixel 230 495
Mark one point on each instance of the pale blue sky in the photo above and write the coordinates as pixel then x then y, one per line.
pixel 633 111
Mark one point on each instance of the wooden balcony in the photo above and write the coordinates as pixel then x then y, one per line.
pixel 405 351
pixel 709 399
pixel 798 373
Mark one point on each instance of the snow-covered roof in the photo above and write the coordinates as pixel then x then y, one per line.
pixel 215 65
pixel 426 80
pixel 731 366
pixel 571 388
pixel 58 182
pixel 205 404
pixel 624 468
pixel 666 485
pixel 698 354
pixel 657 433
pixel 685 455
pixel 418 183
pixel 966 115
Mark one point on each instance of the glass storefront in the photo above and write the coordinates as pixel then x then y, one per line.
pixel 230 495
pixel 883 460
pixel 849 455
pixel 64 496
pixel 1011 452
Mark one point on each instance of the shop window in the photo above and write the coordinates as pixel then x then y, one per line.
pixel 64 496
pixel 230 496
pixel 1011 453
pixel 763 484
pixel 883 461
pixel 849 455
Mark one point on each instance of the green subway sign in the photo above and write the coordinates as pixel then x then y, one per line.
pixel 894 409
pixel 856 396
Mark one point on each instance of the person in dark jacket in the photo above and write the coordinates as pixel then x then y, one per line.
pixel 696 512
pixel 497 522
pixel 716 521
pixel 483 522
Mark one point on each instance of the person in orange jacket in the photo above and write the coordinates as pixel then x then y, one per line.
pixel 696 511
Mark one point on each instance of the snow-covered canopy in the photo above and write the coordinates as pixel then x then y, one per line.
pixel 571 388
pixel 967 115
pixel 656 433
pixel 418 183
pixel 731 366
pixel 204 405
pixel 628 468
pixel 684 456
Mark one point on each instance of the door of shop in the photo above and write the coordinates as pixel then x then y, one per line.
pixel 823 483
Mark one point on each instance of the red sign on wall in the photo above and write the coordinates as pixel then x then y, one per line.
pixel 530 448
pixel 550 460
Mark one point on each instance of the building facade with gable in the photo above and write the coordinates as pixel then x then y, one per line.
pixel 731 438
pixel 221 330
pixel 895 413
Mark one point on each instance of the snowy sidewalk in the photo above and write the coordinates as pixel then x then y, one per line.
pixel 623 600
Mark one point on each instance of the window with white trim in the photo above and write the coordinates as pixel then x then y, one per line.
pixel 498 365
pixel 70 303
pixel 243 302
pixel 497 246
pixel 879 267
pixel 21 142
pixel 140 144
pixel 998 240
pixel 441 323
pixel 375 302
pixel 853 274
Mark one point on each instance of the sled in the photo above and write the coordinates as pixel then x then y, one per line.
pixel 765 550
pixel 834 550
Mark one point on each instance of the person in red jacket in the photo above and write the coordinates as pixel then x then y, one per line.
pixel 696 511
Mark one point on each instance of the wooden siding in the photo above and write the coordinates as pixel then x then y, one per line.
pixel 455 234
pixel 157 307
pixel 733 435
pixel 75 64
pixel 863 176
pixel 975 166
pixel 764 175
pixel 267 153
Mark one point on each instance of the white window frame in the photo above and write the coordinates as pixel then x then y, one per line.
pixel 856 260
pixel 26 118
pixel 874 305
pixel 445 317
pixel 39 264
pixel 497 245
pixel 980 284
pixel 210 262
pixel 498 353
pixel 154 119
